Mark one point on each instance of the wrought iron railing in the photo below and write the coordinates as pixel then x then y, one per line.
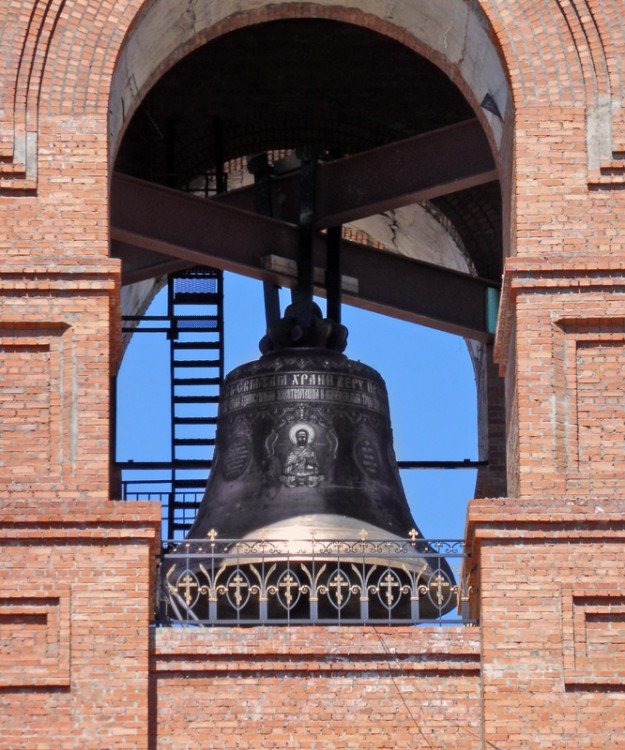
pixel 295 582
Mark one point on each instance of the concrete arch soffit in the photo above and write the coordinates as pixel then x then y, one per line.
pixel 451 33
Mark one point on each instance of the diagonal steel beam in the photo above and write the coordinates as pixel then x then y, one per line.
pixel 173 225
pixel 415 169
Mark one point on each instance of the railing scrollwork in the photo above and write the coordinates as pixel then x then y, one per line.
pixel 295 582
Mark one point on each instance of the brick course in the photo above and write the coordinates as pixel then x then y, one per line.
pixel 314 687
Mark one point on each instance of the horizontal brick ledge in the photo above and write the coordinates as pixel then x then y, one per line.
pixel 230 667
pixel 103 275
pixel 557 275
pixel 600 519
pixel 18 517
pixel 266 650
pixel 556 508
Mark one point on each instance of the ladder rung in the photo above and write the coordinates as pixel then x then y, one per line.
pixel 194 441
pixel 182 526
pixel 195 420
pixel 196 381
pixel 196 363
pixel 196 399
pixel 183 318
pixel 195 298
pixel 188 330
pixel 183 507
pixel 196 344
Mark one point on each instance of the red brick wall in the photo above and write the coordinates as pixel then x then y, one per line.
pixel 552 618
pixel 55 364
pixel 317 687
pixel 76 599
pixel 492 479
pixel 568 341
pixel 548 565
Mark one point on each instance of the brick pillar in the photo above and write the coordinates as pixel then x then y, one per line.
pixel 76 601
pixel 547 579
pixel 562 345
pixel 491 480
pixel 58 332
pixel 552 619
pixel 76 568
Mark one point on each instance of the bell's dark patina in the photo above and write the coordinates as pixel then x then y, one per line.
pixel 304 455
pixel 304 437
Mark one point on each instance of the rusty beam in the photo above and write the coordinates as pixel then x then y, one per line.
pixel 172 223
pixel 416 169
pixel 192 230
pixel 139 264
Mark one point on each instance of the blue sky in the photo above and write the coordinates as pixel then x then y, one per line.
pixel 429 377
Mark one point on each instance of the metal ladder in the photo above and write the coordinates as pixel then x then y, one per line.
pixel 195 309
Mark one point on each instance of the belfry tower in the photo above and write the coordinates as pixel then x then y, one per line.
pixel 468 174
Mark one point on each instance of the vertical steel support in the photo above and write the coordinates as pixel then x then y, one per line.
pixel 170 153
pixel 333 273
pixel 263 614
pixel 303 293
pixel 212 610
pixel 259 167
pixel 218 139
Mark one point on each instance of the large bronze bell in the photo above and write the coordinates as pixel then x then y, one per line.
pixel 304 460
pixel 304 447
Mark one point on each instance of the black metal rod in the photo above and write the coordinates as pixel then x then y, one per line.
pixel 206 464
pixel 259 166
pixel 114 420
pixel 272 302
pixel 163 465
pixel 465 464
pixel 170 153
pixel 218 143
pixel 303 293
pixel 333 273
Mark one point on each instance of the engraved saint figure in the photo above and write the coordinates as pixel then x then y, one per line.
pixel 301 467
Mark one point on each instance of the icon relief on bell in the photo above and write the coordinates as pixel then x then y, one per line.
pixel 301 466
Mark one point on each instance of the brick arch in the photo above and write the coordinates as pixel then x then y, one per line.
pixel 562 52
pixel 565 54
pixel 424 28
pixel 88 57
pixel 462 48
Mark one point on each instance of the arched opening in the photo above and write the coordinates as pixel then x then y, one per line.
pixel 430 381
pixel 343 90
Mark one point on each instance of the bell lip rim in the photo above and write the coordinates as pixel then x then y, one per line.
pixel 340 522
